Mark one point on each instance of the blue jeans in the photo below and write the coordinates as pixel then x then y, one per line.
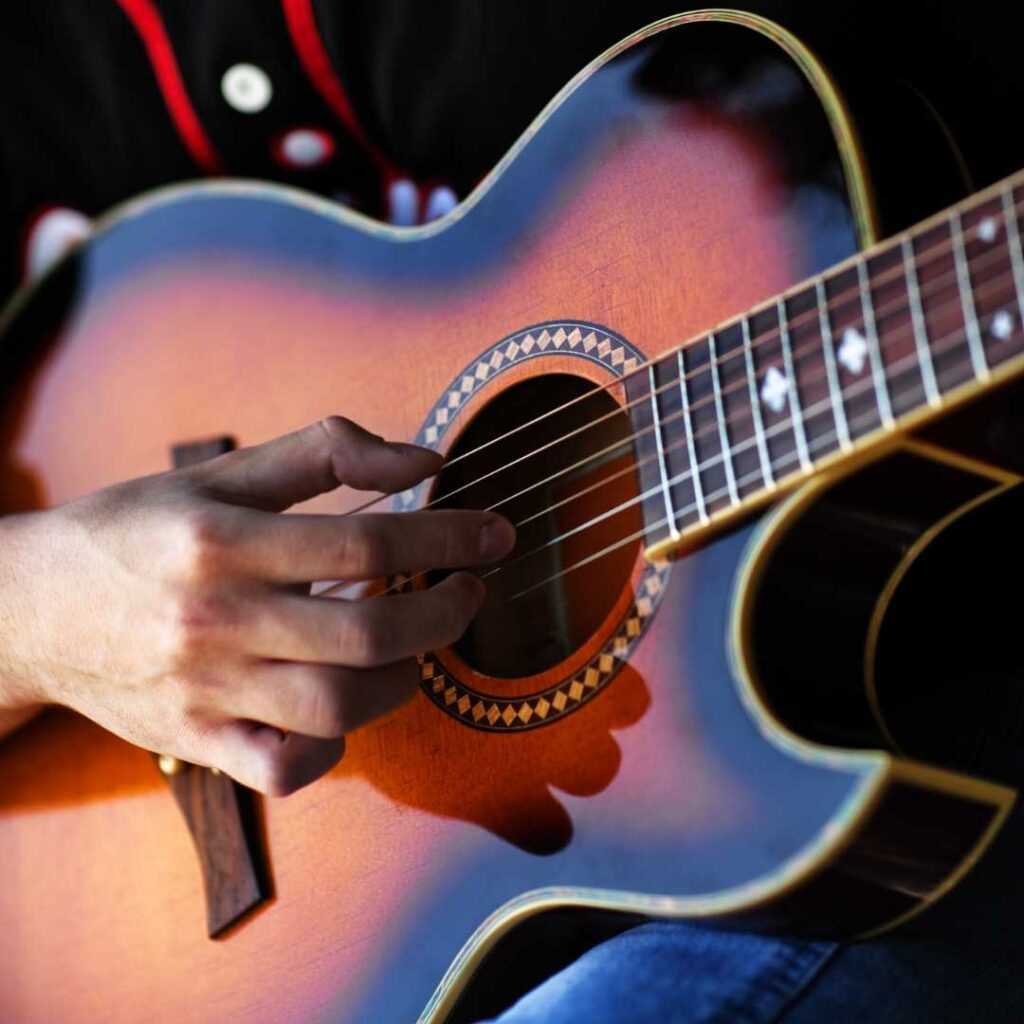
pixel 961 960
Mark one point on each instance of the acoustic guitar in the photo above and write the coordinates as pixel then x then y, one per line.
pixel 663 337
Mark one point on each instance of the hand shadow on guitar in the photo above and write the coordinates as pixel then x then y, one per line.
pixel 503 782
pixel 418 757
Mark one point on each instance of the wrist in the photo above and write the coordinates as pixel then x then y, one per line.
pixel 21 696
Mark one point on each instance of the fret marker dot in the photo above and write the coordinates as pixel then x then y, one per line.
pixel 775 389
pixel 988 229
pixel 853 350
pixel 1002 325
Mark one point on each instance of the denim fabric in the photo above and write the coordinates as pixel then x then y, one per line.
pixel 675 973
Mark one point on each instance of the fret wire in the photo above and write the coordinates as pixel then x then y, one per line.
pixel 974 202
pixel 755 409
pixel 639 533
pixel 898 366
pixel 698 489
pixel 795 415
pixel 723 431
pixel 1016 256
pixel 874 347
pixel 963 280
pixel 666 493
pixel 835 392
pixel 924 351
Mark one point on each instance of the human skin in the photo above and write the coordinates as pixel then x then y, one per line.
pixel 174 609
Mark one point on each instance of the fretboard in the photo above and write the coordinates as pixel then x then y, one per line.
pixel 830 368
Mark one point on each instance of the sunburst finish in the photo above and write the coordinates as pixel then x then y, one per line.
pixel 641 203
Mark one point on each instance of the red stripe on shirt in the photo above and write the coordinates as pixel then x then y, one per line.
pixel 146 20
pixel 315 61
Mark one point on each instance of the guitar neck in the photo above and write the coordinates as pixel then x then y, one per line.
pixel 830 369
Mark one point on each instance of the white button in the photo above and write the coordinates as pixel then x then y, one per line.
pixel 51 236
pixel 403 202
pixel 305 147
pixel 246 88
pixel 439 202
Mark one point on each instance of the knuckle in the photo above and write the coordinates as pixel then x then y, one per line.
pixel 364 639
pixel 201 541
pixel 192 620
pixel 363 548
pixel 337 430
pixel 348 445
pixel 454 547
pixel 331 711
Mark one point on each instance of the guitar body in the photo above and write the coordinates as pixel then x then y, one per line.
pixel 679 760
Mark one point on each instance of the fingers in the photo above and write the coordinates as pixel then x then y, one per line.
pixel 325 701
pixel 327 666
pixel 265 759
pixel 364 633
pixel 293 548
pixel 276 475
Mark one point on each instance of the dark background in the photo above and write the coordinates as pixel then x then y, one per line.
pixel 455 80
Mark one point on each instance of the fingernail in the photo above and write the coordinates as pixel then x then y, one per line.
pixel 496 539
pixel 401 448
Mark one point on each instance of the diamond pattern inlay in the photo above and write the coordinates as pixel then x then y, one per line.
pixel 492 711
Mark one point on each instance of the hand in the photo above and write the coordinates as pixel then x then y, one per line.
pixel 167 608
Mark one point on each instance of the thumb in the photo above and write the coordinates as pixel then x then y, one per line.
pixel 292 468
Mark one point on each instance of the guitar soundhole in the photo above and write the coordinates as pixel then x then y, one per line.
pixel 567 482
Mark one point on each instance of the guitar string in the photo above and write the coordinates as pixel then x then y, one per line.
pixel 792 456
pixel 732 421
pixel 820 441
pixel 942 249
pixel 908 362
pixel 823 405
pixel 784 426
pixel 800 354
pixel 758 341
pixel 813 346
